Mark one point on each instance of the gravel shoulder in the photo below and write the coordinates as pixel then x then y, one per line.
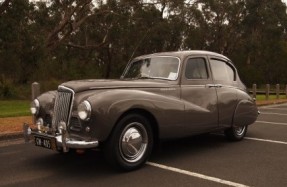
pixel 13 124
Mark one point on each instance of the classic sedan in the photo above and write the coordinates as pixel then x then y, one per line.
pixel 159 96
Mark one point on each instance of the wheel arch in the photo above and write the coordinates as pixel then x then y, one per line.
pixel 150 117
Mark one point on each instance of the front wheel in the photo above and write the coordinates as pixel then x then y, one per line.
pixel 235 133
pixel 130 144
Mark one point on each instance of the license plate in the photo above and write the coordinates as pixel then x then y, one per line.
pixel 49 143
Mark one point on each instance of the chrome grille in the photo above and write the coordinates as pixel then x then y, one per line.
pixel 63 105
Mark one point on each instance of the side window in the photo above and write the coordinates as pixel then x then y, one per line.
pixel 196 69
pixel 221 70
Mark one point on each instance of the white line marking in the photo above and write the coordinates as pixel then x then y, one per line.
pixel 273 106
pixel 189 173
pixel 273 123
pixel 259 139
pixel 284 109
pixel 266 140
pixel 270 113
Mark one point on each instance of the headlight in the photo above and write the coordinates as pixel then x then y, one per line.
pixel 84 110
pixel 35 107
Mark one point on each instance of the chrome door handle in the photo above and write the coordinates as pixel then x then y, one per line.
pixel 210 85
pixel 214 85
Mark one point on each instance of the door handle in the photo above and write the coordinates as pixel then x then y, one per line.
pixel 214 85
pixel 210 85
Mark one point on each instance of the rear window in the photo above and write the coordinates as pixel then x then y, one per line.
pixel 222 70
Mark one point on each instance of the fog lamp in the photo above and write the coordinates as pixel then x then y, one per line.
pixel 40 123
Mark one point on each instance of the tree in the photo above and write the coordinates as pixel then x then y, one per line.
pixel 264 40
pixel 18 46
pixel 76 39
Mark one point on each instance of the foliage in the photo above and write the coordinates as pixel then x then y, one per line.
pixel 77 39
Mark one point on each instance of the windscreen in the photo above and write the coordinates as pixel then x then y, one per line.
pixel 154 68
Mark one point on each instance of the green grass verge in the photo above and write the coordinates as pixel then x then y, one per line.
pixel 271 97
pixel 12 108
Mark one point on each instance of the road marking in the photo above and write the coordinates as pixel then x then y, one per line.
pixel 273 123
pixel 284 109
pixel 274 106
pixel 198 175
pixel 270 113
pixel 266 140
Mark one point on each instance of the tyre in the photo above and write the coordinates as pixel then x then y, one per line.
pixel 130 143
pixel 235 133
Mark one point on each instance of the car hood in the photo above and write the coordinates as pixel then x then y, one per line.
pixel 97 84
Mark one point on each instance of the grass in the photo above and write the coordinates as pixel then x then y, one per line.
pixel 13 108
pixel 271 97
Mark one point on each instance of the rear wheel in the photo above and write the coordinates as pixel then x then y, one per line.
pixel 235 133
pixel 130 144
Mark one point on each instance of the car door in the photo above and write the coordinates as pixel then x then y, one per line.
pixel 199 96
pixel 224 78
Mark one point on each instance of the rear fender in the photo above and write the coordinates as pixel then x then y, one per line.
pixel 246 113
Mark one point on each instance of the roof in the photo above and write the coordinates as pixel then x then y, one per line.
pixel 182 54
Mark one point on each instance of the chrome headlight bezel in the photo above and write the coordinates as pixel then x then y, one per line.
pixel 35 107
pixel 84 110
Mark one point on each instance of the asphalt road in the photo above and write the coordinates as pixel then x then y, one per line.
pixel 207 160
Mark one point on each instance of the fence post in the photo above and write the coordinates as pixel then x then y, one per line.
pixel 267 91
pixel 254 90
pixel 277 91
pixel 26 132
pixel 35 90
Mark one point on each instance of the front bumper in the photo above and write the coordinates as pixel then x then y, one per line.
pixel 63 141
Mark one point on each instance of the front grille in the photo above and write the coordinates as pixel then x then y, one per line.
pixel 63 104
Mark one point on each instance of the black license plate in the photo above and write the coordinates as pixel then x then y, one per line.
pixel 49 143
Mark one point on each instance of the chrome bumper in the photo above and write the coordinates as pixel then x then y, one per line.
pixel 62 140
pixel 76 144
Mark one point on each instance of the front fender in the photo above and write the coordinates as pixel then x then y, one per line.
pixel 109 106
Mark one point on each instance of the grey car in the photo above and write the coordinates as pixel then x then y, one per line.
pixel 159 96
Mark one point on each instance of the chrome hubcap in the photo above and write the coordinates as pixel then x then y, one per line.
pixel 133 142
pixel 239 130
